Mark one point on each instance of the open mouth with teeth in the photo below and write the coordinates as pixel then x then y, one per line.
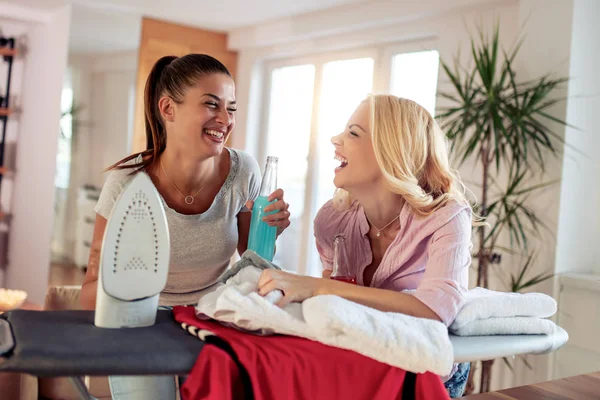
pixel 215 135
pixel 343 162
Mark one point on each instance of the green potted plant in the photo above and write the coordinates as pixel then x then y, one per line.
pixel 504 126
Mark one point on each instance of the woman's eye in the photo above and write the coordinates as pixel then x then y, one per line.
pixel 212 105
pixel 353 134
pixel 232 110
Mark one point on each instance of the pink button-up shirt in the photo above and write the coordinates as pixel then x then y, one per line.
pixel 430 254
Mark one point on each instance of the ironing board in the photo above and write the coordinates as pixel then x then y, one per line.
pixel 483 348
pixel 66 343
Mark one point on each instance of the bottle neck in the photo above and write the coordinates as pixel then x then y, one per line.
pixel 269 180
pixel 339 259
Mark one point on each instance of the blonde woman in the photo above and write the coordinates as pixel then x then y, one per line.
pixel 405 217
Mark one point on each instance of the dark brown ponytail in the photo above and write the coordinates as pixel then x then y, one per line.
pixel 172 76
pixel 156 135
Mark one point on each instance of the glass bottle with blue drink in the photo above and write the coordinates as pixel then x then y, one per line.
pixel 262 236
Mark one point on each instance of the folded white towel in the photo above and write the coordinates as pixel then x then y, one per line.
pixel 481 304
pixel 414 344
pixel 507 326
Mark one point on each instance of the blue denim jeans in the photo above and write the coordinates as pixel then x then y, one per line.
pixel 455 386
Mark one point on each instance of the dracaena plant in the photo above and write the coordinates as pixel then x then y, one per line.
pixel 505 126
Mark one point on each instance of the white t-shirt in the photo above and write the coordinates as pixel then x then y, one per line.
pixel 201 244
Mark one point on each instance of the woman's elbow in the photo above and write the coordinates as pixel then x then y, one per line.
pixel 428 313
pixel 439 304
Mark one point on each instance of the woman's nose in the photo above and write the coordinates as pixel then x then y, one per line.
pixel 224 117
pixel 336 140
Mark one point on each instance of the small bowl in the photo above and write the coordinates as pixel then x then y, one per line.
pixel 11 299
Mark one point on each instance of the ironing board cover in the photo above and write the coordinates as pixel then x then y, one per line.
pixel 66 343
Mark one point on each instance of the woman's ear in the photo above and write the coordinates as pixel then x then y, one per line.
pixel 167 109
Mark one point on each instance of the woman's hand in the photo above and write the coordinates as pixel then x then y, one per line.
pixel 299 288
pixel 281 218
pixel 294 287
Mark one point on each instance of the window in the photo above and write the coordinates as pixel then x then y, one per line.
pixel 288 133
pixel 338 100
pixel 414 77
pixel 309 102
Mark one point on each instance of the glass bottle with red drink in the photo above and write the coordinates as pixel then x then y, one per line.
pixel 341 266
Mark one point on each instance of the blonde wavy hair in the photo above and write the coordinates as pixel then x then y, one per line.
pixel 412 152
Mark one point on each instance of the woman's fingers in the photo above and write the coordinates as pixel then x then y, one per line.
pixel 265 277
pixel 268 288
pixel 279 206
pixel 277 194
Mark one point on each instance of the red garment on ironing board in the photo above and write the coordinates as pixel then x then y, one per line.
pixel 289 367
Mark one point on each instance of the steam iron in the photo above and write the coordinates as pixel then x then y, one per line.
pixel 134 259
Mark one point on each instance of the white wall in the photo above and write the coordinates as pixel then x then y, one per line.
pixel 33 197
pixel 577 248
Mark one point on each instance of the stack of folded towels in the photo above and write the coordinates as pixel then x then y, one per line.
pixel 487 312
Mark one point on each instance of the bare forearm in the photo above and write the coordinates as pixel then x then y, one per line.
pixel 380 299
pixel 244 219
pixel 87 297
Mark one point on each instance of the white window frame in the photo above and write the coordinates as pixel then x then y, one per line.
pixel 382 56
pixel 389 52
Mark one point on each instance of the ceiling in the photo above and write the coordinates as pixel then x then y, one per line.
pixel 114 25
pixel 219 15
pixel 100 31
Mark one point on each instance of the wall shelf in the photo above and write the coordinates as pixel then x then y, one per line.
pixel 7 55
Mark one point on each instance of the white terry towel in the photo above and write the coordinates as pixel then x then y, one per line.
pixel 483 303
pixel 413 344
pixel 507 326
pixel 236 303
pixel 488 312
